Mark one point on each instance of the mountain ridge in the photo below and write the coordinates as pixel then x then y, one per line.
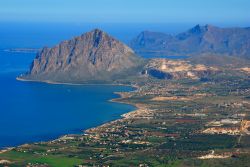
pixel 197 40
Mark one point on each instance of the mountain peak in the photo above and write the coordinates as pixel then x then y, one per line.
pixel 196 29
pixel 97 30
pixel 94 55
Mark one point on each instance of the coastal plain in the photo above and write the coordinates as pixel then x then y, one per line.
pixel 189 120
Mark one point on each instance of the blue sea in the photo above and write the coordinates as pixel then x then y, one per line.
pixel 31 112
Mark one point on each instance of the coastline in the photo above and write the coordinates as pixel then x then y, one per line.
pixel 137 113
pixel 115 100
pixel 72 84
pixel 123 116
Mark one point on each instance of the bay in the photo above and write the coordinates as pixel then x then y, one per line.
pixel 32 112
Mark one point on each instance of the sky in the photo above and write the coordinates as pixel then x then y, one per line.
pixel 126 11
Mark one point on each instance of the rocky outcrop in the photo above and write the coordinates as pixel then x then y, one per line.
pixel 177 69
pixel 92 57
pixel 198 40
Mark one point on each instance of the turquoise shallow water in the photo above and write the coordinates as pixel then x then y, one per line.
pixel 33 112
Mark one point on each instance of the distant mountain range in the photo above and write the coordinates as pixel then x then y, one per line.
pixel 199 40
pixel 94 57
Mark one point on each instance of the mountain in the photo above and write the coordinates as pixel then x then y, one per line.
pixel 154 41
pixel 92 57
pixel 198 40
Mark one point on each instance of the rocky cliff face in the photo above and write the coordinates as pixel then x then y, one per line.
pixel 198 40
pixel 94 56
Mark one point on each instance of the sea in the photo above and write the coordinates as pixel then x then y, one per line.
pixel 32 111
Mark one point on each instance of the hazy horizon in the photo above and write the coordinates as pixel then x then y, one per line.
pixel 30 34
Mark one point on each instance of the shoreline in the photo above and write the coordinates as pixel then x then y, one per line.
pixel 123 116
pixel 73 84
pixel 129 115
pixel 114 100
